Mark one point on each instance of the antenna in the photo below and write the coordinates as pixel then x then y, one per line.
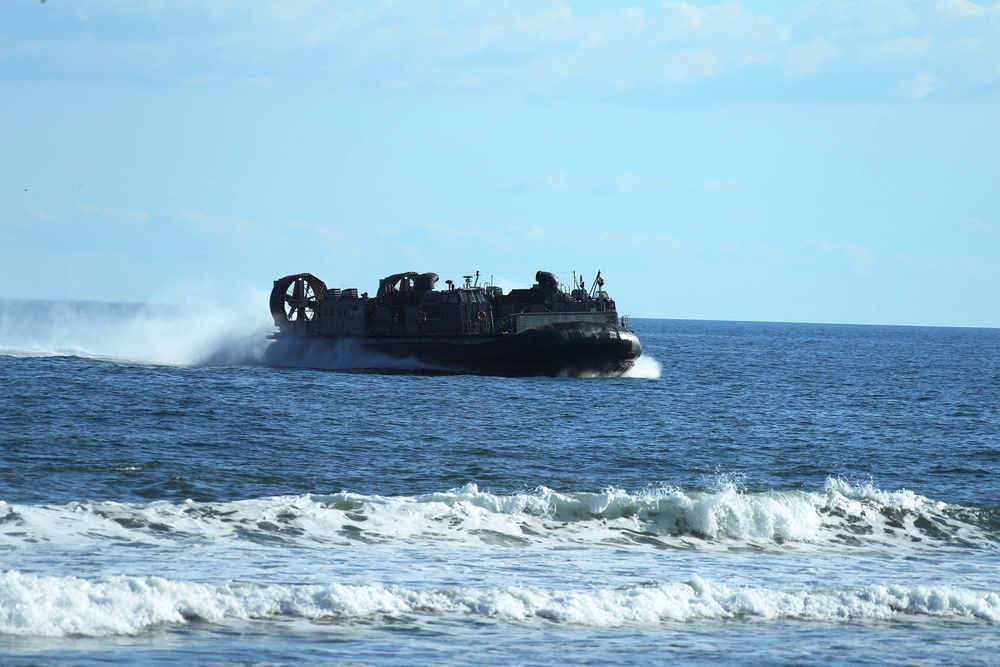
pixel 598 283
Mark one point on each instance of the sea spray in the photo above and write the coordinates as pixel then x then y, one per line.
pixel 175 332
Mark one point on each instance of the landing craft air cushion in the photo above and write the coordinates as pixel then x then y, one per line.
pixel 469 328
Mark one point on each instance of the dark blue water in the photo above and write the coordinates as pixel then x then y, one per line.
pixel 785 405
pixel 836 487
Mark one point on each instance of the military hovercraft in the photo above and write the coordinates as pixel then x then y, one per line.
pixel 464 328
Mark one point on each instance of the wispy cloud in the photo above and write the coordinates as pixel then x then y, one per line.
pixel 769 252
pixel 926 263
pixel 116 215
pixel 215 224
pixel 233 230
pixel 18 223
pixel 320 235
pixel 496 238
pixel 861 258
pixel 963 9
pixel 904 48
pixel 721 185
pixel 609 239
pixel 515 239
pixel 972 266
pixel 557 182
pixel 979 225
pixel 634 182
pixel 535 47
pixel 918 87
pixel 35 213
pixel 810 58
pixel 977 267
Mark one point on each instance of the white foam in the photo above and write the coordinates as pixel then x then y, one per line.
pixel 837 517
pixel 121 605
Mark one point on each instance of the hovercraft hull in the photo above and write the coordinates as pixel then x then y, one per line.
pixel 564 348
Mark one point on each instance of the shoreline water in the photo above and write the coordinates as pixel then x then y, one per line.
pixel 787 494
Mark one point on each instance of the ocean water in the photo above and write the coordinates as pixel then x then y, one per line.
pixel 754 493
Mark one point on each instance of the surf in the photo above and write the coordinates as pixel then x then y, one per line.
pixel 42 605
pixel 840 516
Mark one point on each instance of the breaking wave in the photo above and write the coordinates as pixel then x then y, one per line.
pixel 122 605
pixel 839 516
pixel 321 558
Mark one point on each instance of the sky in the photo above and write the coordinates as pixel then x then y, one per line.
pixel 826 161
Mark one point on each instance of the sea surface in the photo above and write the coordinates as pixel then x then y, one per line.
pixel 754 493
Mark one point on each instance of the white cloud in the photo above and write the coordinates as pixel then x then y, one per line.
pixel 971 265
pixel 721 185
pixel 861 259
pixel 633 182
pixel 810 58
pixel 544 46
pixel 918 87
pixel 976 267
pixel 497 239
pixel 117 215
pixel 663 245
pixel 238 229
pixel 581 243
pixel 35 213
pixel 254 82
pixel 691 65
pixel 550 22
pixel 963 9
pixel 768 252
pixel 906 47
pixel 556 182
pixel 979 225
pixel 724 21
pixel 635 17
pixel 14 224
pixel 322 236
pixel 609 239
pixel 926 263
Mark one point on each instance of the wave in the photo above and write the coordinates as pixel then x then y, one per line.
pixel 840 516
pixel 123 605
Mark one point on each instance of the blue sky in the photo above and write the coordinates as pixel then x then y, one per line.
pixel 812 161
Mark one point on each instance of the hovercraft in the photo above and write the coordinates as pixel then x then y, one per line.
pixel 468 328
